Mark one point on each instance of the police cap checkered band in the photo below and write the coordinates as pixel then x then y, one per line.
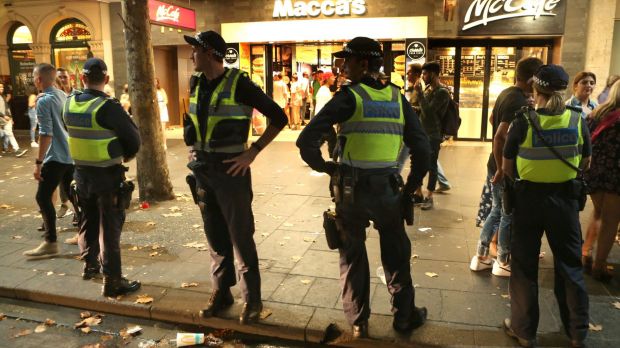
pixel 361 47
pixel 552 77
pixel 208 39
pixel 94 66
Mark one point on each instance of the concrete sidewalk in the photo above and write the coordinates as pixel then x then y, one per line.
pixel 164 246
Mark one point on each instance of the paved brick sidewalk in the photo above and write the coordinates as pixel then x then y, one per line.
pixel 300 274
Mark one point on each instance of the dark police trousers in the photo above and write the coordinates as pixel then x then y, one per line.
pixel 102 220
pixel 376 198
pixel 226 205
pixel 550 208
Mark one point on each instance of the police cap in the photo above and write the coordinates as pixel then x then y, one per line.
pixel 208 39
pixel 551 77
pixel 95 67
pixel 361 47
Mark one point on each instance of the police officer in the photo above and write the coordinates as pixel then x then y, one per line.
pixel 220 115
pixel 374 120
pixel 101 137
pixel 546 200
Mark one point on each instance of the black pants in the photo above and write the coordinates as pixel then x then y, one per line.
pixel 432 171
pixel 376 198
pixel 226 205
pixel 550 208
pixel 52 175
pixel 102 219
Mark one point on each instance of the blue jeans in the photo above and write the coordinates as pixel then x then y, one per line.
pixel 441 176
pixel 33 127
pixel 496 221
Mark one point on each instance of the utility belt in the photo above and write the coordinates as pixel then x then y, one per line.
pixel 572 189
pixel 123 192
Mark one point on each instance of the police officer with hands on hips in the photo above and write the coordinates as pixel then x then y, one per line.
pixel 374 121
pixel 101 137
pixel 547 199
pixel 217 129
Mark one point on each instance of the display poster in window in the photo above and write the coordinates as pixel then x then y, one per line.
pixel 415 53
pixel 482 17
pixel 24 63
pixel 232 57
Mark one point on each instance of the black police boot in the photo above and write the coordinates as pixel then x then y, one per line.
pixel 250 313
pixel 220 299
pixel 360 330
pixel 91 272
pixel 417 319
pixel 116 286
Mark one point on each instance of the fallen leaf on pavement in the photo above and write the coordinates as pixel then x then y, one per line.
pixel 50 273
pixel 106 338
pixel 156 246
pixel 85 315
pixel 49 322
pixel 189 285
pixel 316 215
pixel 308 239
pixel 154 253
pixel 86 329
pixel 5 206
pixel 296 258
pixel 431 274
pixel 26 215
pixel 265 313
pixel 424 229
pixel 90 321
pixel 617 305
pixel 287 224
pixel 594 327
pixel 306 281
pixel 40 328
pixel 415 256
pixel 2 316
pixel 505 296
pixel 22 333
pixel 195 245
pixel 175 208
pixel 196 226
pixel 172 215
pixel 144 299
pixel 282 243
pixel 133 248
pixel 16 237
pixel 134 330
pixel 150 223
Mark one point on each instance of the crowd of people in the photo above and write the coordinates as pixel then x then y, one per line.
pixel 548 153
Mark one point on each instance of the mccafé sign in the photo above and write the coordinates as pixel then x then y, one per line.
pixel 512 17
pixel 172 16
pixel 300 9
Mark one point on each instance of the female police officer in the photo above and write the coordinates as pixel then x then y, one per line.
pixel 546 199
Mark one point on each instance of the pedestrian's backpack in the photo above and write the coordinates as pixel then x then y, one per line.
pixel 451 120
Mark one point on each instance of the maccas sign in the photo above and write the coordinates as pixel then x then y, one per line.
pixel 299 9
pixel 171 15
pixel 512 16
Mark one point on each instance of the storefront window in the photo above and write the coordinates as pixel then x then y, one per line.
pixel 69 40
pixel 21 60
pixel 471 93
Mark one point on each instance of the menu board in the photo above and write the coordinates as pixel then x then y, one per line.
pixel 468 65
pixel 446 63
pixel 505 61
pixel 479 67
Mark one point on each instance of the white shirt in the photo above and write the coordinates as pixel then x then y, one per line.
pixel 280 93
pixel 323 96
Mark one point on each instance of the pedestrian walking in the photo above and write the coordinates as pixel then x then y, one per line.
pixel 374 120
pixel 101 137
pixel 53 165
pixel 433 106
pixel 220 112
pixel 32 117
pixel 507 106
pixel 162 103
pixel 603 180
pixel 547 147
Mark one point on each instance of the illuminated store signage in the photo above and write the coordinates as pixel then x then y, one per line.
pixel 512 17
pixel 170 15
pixel 300 9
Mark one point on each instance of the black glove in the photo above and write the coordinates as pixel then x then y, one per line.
pixel 331 167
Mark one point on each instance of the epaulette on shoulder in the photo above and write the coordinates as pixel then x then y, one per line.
pixel 574 108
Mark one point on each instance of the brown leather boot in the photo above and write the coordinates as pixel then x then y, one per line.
pixel 116 286
pixel 250 313
pixel 220 299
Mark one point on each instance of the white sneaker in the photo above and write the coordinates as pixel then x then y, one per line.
pixel 34 144
pixel 501 270
pixel 45 248
pixel 477 264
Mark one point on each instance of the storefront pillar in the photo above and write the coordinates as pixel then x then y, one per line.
pixel 4 60
pixel 42 52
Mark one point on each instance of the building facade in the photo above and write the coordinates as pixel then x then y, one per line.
pixel 477 42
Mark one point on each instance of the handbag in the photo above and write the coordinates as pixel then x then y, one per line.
pixel 580 189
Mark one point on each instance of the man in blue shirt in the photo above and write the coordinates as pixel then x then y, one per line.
pixel 53 165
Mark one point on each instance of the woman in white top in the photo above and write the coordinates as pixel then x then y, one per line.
pixel 162 101
pixel 296 102
pixel 324 95
pixel 281 95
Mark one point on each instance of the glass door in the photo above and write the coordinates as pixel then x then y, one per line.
pixel 472 91
pixel 502 76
